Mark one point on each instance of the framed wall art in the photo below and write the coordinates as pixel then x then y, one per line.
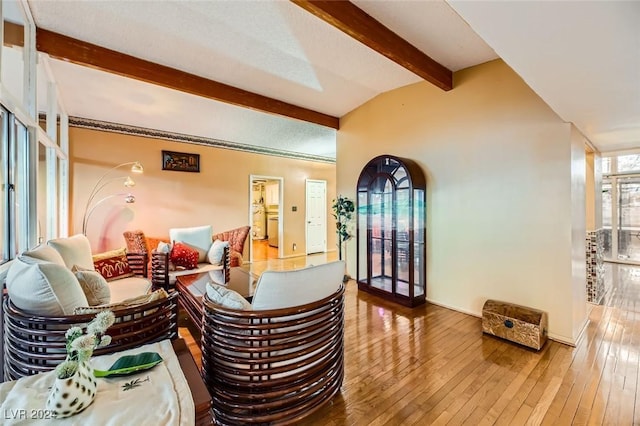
pixel 180 161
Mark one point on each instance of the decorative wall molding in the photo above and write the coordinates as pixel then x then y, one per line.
pixel 105 126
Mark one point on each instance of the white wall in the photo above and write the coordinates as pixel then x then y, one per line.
pixel 578 231
pixel 500 193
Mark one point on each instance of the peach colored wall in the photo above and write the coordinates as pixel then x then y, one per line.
pixel 502 186
pixel 218 195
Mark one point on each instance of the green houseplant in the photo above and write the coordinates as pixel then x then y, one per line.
pixel 343 209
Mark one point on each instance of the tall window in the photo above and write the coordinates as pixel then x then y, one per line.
pixel 15 185
pixel 21 137
pixel 4 181
pixel 621 207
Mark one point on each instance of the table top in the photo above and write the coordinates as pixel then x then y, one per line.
pixel 240 281
pixel 174 384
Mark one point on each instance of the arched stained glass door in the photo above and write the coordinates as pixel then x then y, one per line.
pixel 391 231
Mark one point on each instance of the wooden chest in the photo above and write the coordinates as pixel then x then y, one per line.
pixel 519 324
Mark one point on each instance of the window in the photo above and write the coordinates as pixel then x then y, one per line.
pixel 22 177
pixel 4 181
pixel 15 203
pixel 621 208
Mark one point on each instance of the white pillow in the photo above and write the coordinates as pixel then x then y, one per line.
pixel 44 288
pixel 216 252
pixel 44 252
pixel 163 247
pixel 75 250
pixel 285 289
pixel 198 237
pixel 227 298
pixel 94 286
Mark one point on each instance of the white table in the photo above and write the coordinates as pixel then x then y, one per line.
pixel 161 395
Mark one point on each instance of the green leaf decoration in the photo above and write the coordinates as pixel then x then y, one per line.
pixel 130 364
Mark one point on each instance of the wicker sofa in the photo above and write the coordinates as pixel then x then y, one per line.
pixel 45 297
pixel 281 359
pixel 35 343
pixel 160 271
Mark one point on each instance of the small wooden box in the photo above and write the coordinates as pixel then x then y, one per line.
pixel 519 324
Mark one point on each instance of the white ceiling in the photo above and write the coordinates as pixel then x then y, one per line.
pixel 582 58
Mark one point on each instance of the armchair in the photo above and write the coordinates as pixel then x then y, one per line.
pixel 36 343
pixel 237 238
pixel 281 360
pixel 49 290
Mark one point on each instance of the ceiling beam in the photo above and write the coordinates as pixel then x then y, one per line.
pixel 13 34
pixel 82 53
pixel 355 22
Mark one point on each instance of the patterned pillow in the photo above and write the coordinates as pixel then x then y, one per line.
pixel 136 241
pixel 113 264
pixel 94 286
pixel 125 304
pixel 184 256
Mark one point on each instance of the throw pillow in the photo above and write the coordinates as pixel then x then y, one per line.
pixel 136 241
pixel 75 250
pixel 216 252
pixel 163 247
pixel 113 264
pixel 43 288
pixel 228 298
pixel 184 256
pixel 93 285
pixel 128 303
pixel 198 237
pixel 166 248
pixel 45 252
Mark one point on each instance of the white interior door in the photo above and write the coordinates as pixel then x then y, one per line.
pixel 316 208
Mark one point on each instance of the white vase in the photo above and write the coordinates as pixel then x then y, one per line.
pixel 72 395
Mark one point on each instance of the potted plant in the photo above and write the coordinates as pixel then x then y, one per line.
pixel 343 209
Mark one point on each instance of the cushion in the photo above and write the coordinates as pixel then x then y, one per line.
pixel 4 271
pixel 113 264
pixel 129 303
pixel 136 241
pixel 198 237
pixel 45 252
pixel 44 288
pixel 75 250
pixel 183 255
pixel 236 237
pixel 127 288
pixel 163 247
pixel 227 298
pixel 284 289
pixel 94 286
pixel 216 252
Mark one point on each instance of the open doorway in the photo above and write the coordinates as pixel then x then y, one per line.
pixel 266 218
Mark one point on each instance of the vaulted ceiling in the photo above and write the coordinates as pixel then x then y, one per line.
pixel 238 71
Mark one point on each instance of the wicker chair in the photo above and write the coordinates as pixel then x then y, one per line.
pixel 273 366
pixel 34 344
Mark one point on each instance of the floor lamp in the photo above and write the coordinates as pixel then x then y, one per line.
pixel 128 198
pixel 104 180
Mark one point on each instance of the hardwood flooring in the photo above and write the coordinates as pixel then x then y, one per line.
pixel 431 365
pixel 263 251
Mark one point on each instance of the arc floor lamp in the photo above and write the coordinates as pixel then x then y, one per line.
pixel 104 180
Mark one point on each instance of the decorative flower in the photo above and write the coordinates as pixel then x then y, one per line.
pixel 80 346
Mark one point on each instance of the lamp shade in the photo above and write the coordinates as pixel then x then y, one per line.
pixel 137 168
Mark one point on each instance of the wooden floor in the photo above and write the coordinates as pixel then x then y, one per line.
pixel 431 365
pixel 263 251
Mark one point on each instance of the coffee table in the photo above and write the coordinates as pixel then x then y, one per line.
pixel 192 287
